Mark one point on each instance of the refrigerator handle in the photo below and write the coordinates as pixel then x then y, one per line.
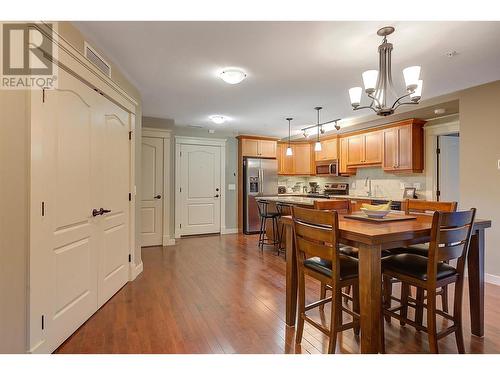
pixel 262 181
pixel 259 175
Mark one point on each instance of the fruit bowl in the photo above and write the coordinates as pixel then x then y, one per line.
pixel 378 214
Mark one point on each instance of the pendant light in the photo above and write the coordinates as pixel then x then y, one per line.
pixel 317 145
pixel 289 151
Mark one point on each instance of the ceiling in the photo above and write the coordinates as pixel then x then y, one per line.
pixel 292 66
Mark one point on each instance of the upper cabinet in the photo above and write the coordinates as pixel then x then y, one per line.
pixel 263 148
pixel 328 150
pixel 364 149
pixel 343 169
pixel 403 147
pixel 299 163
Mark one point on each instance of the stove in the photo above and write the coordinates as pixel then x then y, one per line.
pixel 336 188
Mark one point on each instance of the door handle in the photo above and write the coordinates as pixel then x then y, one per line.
pixel 100 211
pixel 216 196
pixel 103 211
pixel 157 196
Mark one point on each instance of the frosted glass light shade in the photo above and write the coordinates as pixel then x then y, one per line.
pixel 370 80
pixel 355 96
pixel 233 76
pixel 217 119
pixel 411 75
pixel 317 146
pixel 417 94
pixel 289 151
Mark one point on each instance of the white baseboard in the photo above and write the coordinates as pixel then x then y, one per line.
pixel 168 241
pixel 135 270
pixel 229 230
pixel 492 279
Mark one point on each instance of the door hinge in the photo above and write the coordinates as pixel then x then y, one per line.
pixel 180 153
pixel 43 322
pixel 130 197
pixel 438 193
pixel 180 225
pixel 180 190
pixel 130 258
pixel 130 135
pixel 43 208
pixel 438 150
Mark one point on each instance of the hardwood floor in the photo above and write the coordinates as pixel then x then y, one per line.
pixel 218 294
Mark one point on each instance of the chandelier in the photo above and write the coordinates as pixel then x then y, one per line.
pixel 378 83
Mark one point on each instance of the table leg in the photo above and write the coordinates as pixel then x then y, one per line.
pixel 291 278
pixel 370 295
pixel 475 267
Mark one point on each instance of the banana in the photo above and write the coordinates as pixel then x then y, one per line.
pixel 381 207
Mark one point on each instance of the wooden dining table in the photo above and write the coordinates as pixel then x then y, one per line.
pixel 371 239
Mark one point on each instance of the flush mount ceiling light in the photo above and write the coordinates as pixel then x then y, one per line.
pixel 378 83
pixel 218 119
pixel 233 76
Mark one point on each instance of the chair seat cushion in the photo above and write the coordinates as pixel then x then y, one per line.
pixel 419 249
pixel 354 252
pixel 415 266
pixel 348 266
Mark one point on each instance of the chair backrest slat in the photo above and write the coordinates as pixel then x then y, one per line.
pixel 450 238
pixel 416 205
pixel 314 249
pixel 339 205
pixel 314 232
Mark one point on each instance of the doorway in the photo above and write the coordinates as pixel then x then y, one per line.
pixel 200 193
pixel 447 166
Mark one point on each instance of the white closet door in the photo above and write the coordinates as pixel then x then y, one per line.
pixel 71 249
pixel 112 165
pixel 152 191
pixel 200 183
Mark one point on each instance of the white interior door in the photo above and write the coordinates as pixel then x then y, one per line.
pixel 449 177
pixel 113 163
pixel 80 162
pixel 71 251
pixel 152 191
pixel 200 189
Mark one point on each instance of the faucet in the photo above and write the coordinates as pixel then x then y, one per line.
pixel 368 186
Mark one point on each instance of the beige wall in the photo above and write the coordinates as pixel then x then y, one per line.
pixel 479 155
pixel 231 163
pixel 14 190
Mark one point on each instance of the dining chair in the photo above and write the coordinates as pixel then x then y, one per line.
pixel 416 206
pixel 341 206
pixel 450 238
pixel 316 234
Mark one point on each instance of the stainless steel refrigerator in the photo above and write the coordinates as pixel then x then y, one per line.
pixel 261 179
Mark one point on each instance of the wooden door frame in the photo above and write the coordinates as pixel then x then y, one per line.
pixel 165 135
pixel 216 142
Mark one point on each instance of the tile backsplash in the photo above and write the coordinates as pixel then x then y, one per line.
pixel 382 184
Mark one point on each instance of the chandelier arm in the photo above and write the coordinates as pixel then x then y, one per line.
pixel 405 103
pixel 374 99
pixel 365 107
pixel 398 101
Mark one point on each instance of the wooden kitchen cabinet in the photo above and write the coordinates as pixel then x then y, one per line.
pixel 403 147
pixel 343 170
pixel 328 150
pixel 302 156
pixel 297 164
pixel 258 147
pixel 364 149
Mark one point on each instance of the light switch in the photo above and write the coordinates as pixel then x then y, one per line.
pixel 231 187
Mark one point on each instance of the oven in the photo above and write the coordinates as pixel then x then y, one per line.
pixel 327 168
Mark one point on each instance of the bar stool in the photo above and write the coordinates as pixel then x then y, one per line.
pixel 264 215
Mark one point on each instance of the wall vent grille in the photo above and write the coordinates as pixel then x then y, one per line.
pixel 96 59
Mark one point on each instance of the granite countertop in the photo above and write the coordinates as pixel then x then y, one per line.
pixel 394 199
pixel 302 200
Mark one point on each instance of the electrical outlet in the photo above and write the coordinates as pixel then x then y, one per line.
pixel 417 185
pixel 402 185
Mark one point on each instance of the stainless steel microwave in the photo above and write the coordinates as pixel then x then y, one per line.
pixel 327 168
